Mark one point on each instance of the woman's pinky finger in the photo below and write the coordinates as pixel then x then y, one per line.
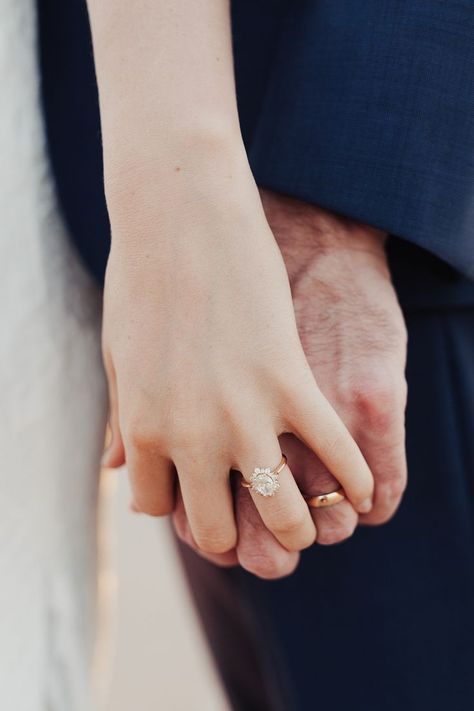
pixel 152 480
pixel 184 533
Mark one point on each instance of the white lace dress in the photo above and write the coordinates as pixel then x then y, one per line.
pixel 52 409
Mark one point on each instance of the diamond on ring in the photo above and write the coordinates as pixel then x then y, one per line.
pixel 264 482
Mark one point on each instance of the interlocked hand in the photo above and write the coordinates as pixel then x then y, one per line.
pixel 354 338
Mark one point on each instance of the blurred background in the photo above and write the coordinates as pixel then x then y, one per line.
pixel 150 651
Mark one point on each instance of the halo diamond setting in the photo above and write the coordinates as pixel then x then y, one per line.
pixel 264 482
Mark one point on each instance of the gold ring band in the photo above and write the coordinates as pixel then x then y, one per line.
pixel 325 500
pixel 264 480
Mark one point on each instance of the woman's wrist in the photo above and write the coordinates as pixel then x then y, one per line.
pixel 191 180
pixel 161 161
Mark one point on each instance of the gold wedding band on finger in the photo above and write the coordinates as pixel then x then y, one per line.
pixel 325 500
pixel 264 480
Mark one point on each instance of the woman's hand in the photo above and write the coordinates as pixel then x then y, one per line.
pixel 354 338
pixel 203 357
pixel 204 362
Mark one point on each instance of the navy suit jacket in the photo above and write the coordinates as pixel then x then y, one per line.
pixel 363 107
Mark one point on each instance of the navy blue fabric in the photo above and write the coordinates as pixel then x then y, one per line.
pixel 364 108
pixel 385 620
pixel 72 123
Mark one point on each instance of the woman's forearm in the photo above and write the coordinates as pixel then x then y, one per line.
pixel 165 76
pixel 204 363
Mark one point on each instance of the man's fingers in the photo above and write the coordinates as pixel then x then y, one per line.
pixel 315 422
pixel 378 410
pixel 285 513
pixel 258 550
pixel 336 523
pixel 387 460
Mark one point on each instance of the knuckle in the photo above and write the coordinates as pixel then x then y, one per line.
pixel 189 437
pixel 392 491
pixel 213 540
pixel 391 483
pixel 267 566
pixel 375 408
pixel 290 523
pixel 379 515
pixel 177 436
pixel 387 502
pixel 143 438
pixel 397 487
pixel 305 539
pixel 138 438
pixel 329 535
pixel 379 400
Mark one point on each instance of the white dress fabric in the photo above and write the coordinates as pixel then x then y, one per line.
pixel 52 408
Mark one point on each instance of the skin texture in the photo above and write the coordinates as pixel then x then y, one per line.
pixel 354 337
pixel 203 358
pixel 208 370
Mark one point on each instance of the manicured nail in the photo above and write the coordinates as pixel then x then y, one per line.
pixel 365 506
pixel 105 457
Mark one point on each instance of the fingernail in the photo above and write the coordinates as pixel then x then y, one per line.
pixel 365 506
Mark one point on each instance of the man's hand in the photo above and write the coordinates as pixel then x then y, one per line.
pixel 354 337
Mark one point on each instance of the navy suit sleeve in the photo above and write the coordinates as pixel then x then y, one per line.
pixel 368 110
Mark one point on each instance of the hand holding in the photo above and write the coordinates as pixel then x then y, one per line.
pixel 204 361
pixel 354 338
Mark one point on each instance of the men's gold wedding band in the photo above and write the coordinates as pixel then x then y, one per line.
pixel 325 500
